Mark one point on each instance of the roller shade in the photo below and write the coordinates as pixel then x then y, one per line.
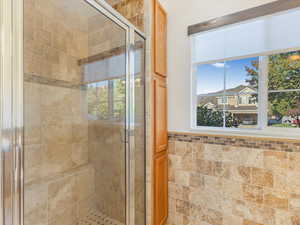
pixel 254 37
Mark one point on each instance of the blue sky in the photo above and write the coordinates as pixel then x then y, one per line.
pixel 210 77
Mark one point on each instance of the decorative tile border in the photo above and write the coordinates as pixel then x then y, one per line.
pixel 288 145
pixel 52 82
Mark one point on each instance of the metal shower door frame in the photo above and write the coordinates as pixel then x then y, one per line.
pixel 12 105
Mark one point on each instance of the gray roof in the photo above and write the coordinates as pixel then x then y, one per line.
pixel 212 98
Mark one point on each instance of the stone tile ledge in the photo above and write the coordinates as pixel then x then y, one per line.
pixel 286 145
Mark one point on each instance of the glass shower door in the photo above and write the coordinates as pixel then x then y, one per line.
pixel 75 70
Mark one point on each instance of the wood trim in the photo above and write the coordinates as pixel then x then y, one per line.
pixel 288 140
pixel 263 10
pixel 158 7
pixel 156 184
pixel 159 84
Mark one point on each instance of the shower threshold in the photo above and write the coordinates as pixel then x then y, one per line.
pixel 95 217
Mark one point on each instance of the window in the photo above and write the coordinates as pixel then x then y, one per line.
pixel 247 76
pixel 106 100
pixel 226 93
pixel 284 90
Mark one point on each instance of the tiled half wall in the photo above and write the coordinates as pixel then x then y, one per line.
pixel 218 180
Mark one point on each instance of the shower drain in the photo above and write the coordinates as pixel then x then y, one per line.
pixel 97 218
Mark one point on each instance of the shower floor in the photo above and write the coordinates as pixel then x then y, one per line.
pixel 97 218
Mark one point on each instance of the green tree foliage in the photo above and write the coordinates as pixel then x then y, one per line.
pixel 213 118
pixel 99 95
pixel 284 73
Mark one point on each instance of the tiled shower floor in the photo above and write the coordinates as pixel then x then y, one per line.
pixel 97 218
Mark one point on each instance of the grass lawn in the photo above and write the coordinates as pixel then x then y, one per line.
pixel 284 125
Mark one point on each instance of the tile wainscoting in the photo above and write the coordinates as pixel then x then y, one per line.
pixel 219 180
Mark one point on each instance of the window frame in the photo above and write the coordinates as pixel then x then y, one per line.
pixel 262 128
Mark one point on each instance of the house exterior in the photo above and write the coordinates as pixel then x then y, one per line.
pixel 241 101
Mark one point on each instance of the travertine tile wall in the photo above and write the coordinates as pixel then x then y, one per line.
pixel 233 181
pixel 107 155
pixel 59 181
pixel 68 169
pixel 60 178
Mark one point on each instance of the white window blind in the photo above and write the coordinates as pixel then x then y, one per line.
pixel 263 35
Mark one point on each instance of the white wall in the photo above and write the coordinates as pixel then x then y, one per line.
pixel 181 14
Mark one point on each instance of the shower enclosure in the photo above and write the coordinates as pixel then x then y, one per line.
pixel 72 114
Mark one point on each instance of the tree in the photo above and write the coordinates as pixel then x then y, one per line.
pixel 284 73
pixel 213 118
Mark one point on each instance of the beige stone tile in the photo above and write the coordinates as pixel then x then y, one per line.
pixel 253 193
pixel 172 205
pixel 197 149
pixel 60 133
pixel 85 206
pixel 283 218
pixel 254 212
pixel 253 157
pixel 240 208
pixel 58 158
pixel 213 217
pixel 196 180
pixel 175 191
pixel 56 98
pixel 276 199
pixel 233 155
pixel 293 181
pixel 182 148
pixel 287 218
pixel 275 160
pixel 85 184
pixel 249 222
pixel 261 214
pixel 294 161
pixel 232 189
pixel 197 212
pixel 247 157
pixel 183 207
pixel 205 167
pixel 80 153
pixel 175 162
pixel 294 203
pixel 221 170
pixel 171 147
pixel 232 220
pixel 32 61
pixel 182 177
pixel 228 206
pixel 32 113
pixel 176 219
pixel 280 179
pixel 211 182
pixel 213 152
pixel 295 219
pixel 188 162
pixel 262 177
pixel 67 216
pixel 61 196
pixel 35 204
pixel 196 197
pixel 240 173
pixel 34 161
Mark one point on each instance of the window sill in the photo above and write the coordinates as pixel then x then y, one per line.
pixel 268 133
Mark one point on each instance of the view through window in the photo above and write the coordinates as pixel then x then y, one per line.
pixel 228 92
